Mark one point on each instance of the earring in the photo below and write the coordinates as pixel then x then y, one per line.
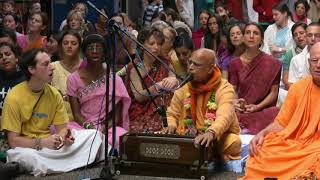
pixel 18 68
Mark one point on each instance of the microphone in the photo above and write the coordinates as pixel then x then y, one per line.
pixel 161 109
pixel 113 23
pixel 185 80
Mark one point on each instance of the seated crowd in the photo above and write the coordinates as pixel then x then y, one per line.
pixel 245 81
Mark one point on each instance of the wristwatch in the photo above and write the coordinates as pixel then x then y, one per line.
pixel 37 144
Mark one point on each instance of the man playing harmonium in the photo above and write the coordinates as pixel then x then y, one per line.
pixel 204 107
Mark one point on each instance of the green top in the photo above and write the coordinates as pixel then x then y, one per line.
pixel 286 58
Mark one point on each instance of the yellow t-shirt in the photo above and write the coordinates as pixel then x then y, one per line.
pixel 23 113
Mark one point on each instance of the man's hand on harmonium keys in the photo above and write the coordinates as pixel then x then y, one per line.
pixel 205 139
pixel 167 130
pixel 201 140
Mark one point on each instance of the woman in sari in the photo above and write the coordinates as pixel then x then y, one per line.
pixel 255 77
pixel 143 115
pixel 86 89
pixel 70 61
pixel 36 25
pixel 277 37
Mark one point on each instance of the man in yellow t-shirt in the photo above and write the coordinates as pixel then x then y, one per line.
pixel 31 114
pixel 29 109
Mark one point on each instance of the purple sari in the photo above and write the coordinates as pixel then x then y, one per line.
pixel 254 82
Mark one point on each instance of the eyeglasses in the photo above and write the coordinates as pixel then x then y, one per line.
pixel 314 61
pixel 316 35
pixel 212 23
pixel 196 65
pixel 95 48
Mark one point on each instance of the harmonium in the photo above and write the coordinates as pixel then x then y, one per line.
pixel 163 155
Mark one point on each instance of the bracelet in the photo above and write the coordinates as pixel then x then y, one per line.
pixel 37 144
pixel 212 132
pixel 88 125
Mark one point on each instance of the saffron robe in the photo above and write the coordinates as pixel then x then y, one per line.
pixel 225 126
pixel 295 151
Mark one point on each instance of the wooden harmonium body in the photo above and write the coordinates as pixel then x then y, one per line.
pixel 169 155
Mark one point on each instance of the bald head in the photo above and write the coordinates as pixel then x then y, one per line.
pixel 315 48
pixel 204 56
pixel 314 62
pixel 200 65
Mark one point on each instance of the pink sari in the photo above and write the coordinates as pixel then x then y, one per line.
pixel 92 96
pixel 254 82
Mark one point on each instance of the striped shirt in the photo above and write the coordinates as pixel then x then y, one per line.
pixel 150 11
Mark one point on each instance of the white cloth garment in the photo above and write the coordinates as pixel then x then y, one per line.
pixel 187 12
pixel 253 15
pixel 47 161
pixel 281 96
pixel 299 66
pixel 270 37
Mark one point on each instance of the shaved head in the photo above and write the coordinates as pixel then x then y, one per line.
pixel 314 63
pixel 315 48
pixel 200 65
pixel 205 56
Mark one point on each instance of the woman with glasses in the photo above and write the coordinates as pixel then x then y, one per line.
pixel 86 88
pixel 255 77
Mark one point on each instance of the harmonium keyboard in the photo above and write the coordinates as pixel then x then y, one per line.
pixel 163 155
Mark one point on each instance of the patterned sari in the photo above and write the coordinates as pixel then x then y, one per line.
pixel 143 115
pixel 254 82
pixel 92 102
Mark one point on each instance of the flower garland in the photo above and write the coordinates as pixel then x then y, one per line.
pixel 210 115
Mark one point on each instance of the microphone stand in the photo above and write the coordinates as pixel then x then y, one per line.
pixel 107 172
pixel 160 109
